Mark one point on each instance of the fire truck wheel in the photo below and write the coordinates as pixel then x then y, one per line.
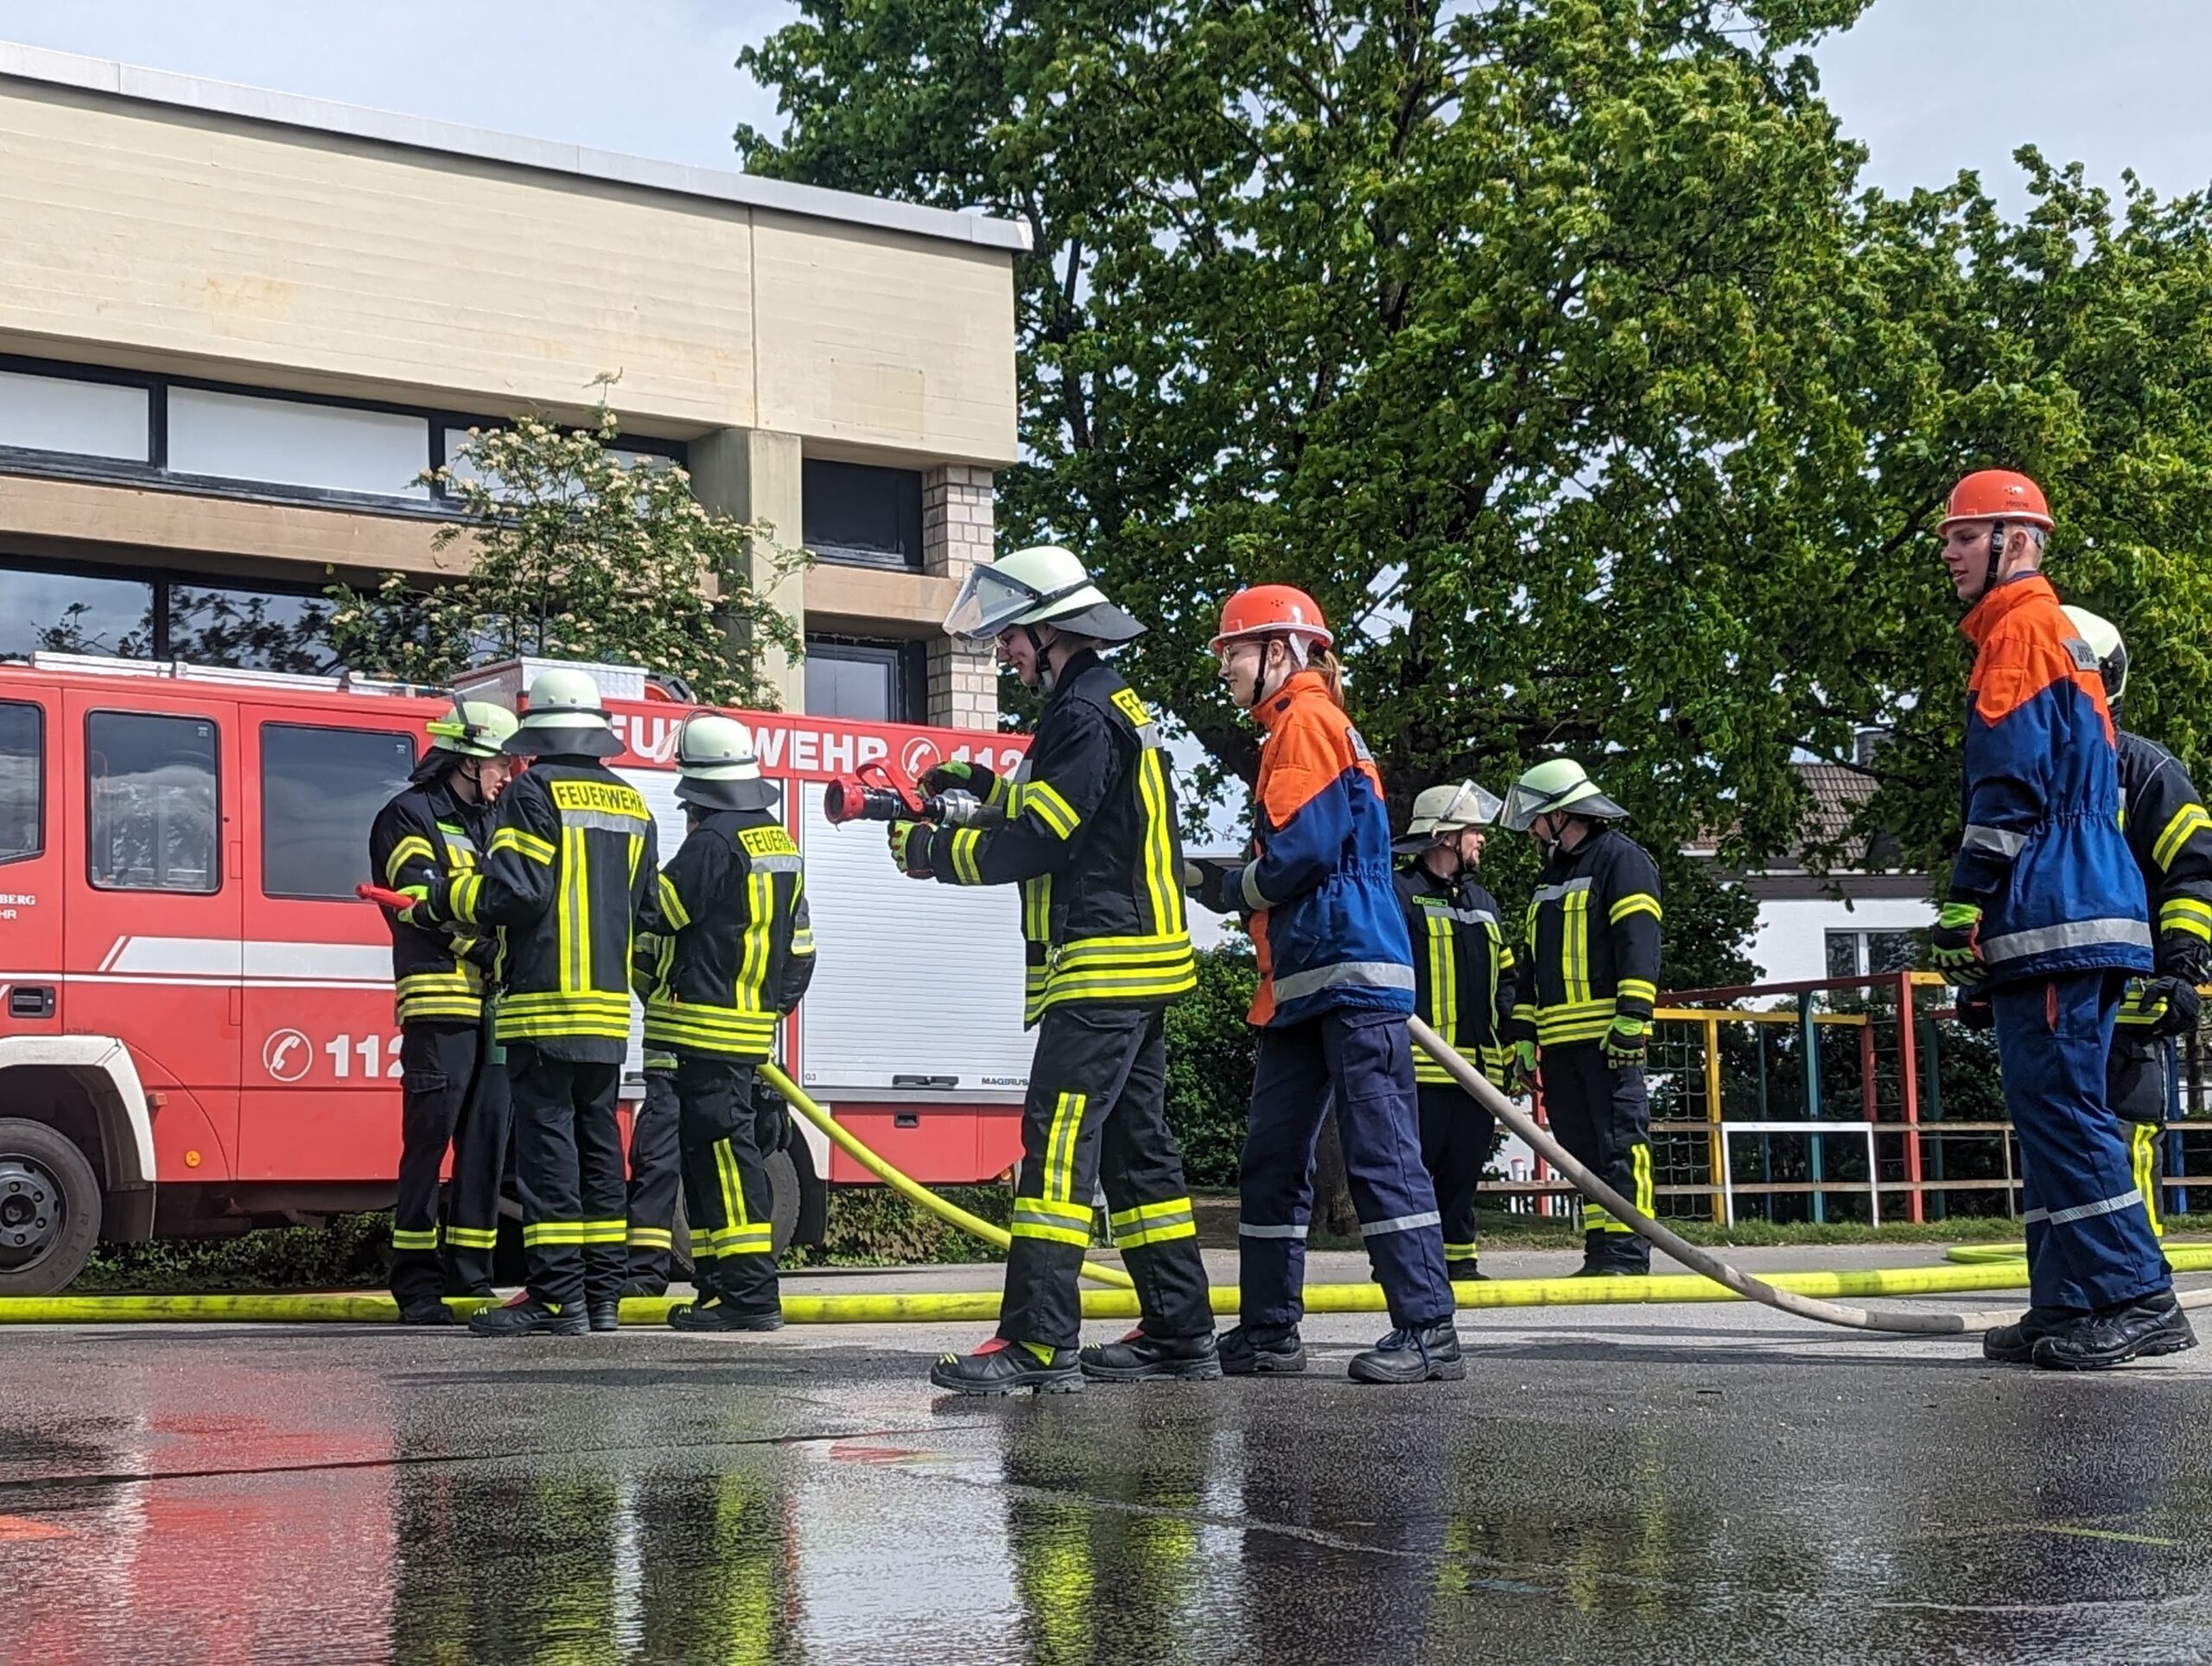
pixel 49 1209
pixel 782 1194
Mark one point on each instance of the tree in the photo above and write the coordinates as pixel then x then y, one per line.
pixel 579 554
pixel 1551 345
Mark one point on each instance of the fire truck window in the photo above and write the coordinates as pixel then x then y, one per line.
pixel 321 788
pixel 22 773
pixel 152 791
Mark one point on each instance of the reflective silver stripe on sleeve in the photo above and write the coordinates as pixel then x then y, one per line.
pixel 1246 1229
pixel 2132 1199
pixel 2074 934
pixel 777 864
pixel 1250 886
pixel 603 821
pixel 1403 1224
pixel 1994 840
pixel 1369 974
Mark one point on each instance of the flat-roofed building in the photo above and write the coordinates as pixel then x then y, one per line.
pixel 236 325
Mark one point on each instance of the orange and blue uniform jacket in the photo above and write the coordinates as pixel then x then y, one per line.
pixel 2043 854
pixel 1320 889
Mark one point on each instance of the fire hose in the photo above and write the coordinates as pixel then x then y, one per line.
pixel 1899 1320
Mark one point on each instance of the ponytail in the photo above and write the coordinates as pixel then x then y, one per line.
pixel 1324 661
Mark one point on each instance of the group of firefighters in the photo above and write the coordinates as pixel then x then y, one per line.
pixel 546 885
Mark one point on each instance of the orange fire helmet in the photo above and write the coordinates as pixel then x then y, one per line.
pixel 1996 495
pixel 1268 610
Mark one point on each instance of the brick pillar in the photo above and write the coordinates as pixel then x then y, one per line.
pixel 963 684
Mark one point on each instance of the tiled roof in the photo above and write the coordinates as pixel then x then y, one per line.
pixel 1835 795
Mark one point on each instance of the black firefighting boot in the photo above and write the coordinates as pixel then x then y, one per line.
pixel 424 1310
pixel 1430 1354
pixel 1141 1359
pixel 1465 1272
pixel 2113 1336
pixel 712 1314
pixel 527 1316
pixel 1262 1350
pixel 606 1315
pixel 1000 1367
pixel 2015 1344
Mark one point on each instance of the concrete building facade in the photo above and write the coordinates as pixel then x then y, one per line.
pixel 235 325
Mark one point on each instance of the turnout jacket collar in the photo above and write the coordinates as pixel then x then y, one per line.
pixel 1274 710
pixel 2000 602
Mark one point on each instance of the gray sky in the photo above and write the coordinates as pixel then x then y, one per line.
pixel 1930 86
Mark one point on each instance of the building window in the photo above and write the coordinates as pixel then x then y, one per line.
pixel 52 610
pixel 284 443
pixel 23 779
pixel 1871 954
pixel 321 789
pixel 856 512
pixel 202 622
pixel 150 787
pixel 868 682
pixel 76 418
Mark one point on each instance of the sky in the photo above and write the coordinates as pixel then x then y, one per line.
pixel 1930 86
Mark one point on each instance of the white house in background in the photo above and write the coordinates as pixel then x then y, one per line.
pixel 1847 922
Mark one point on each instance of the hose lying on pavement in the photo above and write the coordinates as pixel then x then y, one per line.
pixel 912 1190
pixel 1900 1320
pixel 969 1307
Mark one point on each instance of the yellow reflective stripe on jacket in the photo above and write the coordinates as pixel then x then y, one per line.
pixel 2190 819
pixel 413 848
pixel 525 844
pixel 1443 974
pixel 455 994
pixel 2186 914
pixel 1639 902
pixel 1163 879
pixel 462 898
pixel 1636 988
pixel 1045 801
pixel 671 903
pixel 965 843
pixel 572 913
pixel 1580 1020
pixel 1574 942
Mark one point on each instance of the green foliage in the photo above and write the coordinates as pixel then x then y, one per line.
pixel 1210 1053
pixel 579 553
pixel 351 1252
pixel 873 1226
pixel 1550 343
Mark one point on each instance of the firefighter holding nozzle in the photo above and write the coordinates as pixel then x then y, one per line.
pixel 1086 829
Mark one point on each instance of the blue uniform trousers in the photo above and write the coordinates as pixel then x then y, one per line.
pixel 1364 1060
pixel 2089 1239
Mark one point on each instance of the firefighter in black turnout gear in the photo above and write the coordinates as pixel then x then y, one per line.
pixel 1462 988
pixel 1585 980
pixel 1086 827
pixel 569 868
pixel 2170 831
pixel 656 1156
pixel 454 1089
pixel 733 903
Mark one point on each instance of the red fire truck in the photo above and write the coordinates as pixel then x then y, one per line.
pixel 199 1036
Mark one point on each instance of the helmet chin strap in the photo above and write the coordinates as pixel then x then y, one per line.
pixel 1048 674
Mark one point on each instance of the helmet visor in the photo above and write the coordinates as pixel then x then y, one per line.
pixel 988 601
pixel 1522 806
pixel 1470 806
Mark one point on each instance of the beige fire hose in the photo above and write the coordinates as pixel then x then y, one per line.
pixel 1827 1313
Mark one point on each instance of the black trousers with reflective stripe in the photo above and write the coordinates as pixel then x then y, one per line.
pixel 655 1172
pixel 452 1098
pixel 1456 1136
pixel 1096 1116
pixel 2143 1082
pixel 1603 1115
pixel 727 1196
pixel 568 1170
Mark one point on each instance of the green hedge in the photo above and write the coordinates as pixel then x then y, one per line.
pixel 1210 1051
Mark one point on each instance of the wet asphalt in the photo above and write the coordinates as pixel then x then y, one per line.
pixel 1647 1484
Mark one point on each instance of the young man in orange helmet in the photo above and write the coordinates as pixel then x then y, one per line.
pixel 2046 910
pixel 1336 988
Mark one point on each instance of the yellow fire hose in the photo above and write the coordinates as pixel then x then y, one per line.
pixel 982 1305
pixel 913 1191
pixel 1776 1293
pixel 2182 1257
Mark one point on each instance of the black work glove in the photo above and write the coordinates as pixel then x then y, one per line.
pixel 1974 1011
pixel 2182 1004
